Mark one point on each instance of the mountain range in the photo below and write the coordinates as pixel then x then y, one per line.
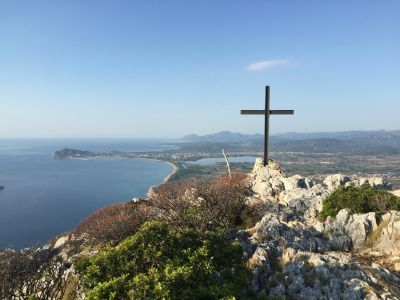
pixel 380 142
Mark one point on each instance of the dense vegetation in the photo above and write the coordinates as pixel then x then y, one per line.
pixel 160 262
pixel 175 246
pixel 361 199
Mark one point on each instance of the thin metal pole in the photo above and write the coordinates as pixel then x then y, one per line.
pixel 266 125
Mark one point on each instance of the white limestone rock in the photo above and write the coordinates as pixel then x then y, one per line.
pixel 329 276
pixel 294 182
pixel 277 185
pixel 336 180
pixel 356 226
pixel 377 182
pixel 387 237
pixel 312 256
pixel 265 181
pixel 396 193
pixel 61 241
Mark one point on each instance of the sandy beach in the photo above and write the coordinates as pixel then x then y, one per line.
pixel 166 178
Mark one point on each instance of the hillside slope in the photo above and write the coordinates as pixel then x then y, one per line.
pixel 288 247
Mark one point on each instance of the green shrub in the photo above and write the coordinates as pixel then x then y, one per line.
pixel 159 262
pixel 361 199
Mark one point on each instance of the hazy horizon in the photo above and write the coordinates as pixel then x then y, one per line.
pixel 181 137
pixel 128 69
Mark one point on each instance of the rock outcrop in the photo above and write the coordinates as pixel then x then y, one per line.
pixel 291 252
pixel 295 255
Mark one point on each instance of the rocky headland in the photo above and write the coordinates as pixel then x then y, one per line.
pixel 291 251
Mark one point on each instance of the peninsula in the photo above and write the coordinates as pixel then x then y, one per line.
pixel 311 154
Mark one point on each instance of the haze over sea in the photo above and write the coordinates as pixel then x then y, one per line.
pixel 44 196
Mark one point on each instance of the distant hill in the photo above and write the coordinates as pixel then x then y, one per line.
pixel 223 137
pixel 393 135
pixel 380 142
pixel 68 153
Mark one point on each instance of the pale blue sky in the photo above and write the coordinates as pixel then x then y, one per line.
pixel 93 68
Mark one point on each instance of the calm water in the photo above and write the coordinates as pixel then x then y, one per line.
pixel 45 196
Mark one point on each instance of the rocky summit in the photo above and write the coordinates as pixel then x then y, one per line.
pixel 291 251
pixel 296 255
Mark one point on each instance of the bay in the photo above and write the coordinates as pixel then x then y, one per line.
pixel 44 197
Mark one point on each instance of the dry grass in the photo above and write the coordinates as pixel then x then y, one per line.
pixel 374 235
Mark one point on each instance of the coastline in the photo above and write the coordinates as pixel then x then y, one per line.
pixel 175 169
pixel 150 190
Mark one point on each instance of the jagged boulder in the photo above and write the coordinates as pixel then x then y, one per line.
pixel 275 231
pixel 268 182
pixel 376 182
pixel 294 182
pixel 277 185
pixel 260 184
pixel 365 231
pixel 386 238
pixel 332 275
pixel 293 254
pixel 334 181
pixel 357 226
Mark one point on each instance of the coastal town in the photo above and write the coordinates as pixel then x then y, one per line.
pixel 301 162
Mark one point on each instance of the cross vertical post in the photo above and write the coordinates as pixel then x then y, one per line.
pixel 266 125
pixel 267 112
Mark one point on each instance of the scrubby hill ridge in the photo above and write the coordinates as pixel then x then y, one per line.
pixel 290 247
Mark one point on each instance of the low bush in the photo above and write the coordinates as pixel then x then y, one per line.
pixel 205 205
pixel 361 199
pixel 160 262
pixel 115 222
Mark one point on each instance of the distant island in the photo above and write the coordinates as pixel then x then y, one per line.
pixel 2 187
pixel 72 153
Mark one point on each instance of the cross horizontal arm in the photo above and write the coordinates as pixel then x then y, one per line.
pixel 252 112
pixel 282 112
pixel 262 112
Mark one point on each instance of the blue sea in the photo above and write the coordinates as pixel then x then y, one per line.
pixel 44 197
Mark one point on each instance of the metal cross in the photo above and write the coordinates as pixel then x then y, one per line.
pixel 266 113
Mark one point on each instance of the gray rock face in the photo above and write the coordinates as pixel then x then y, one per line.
pixel 268 182
pixel 356 226
pixel 374 181
pixel 387 236
pixel 334 181
pixel 295 255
